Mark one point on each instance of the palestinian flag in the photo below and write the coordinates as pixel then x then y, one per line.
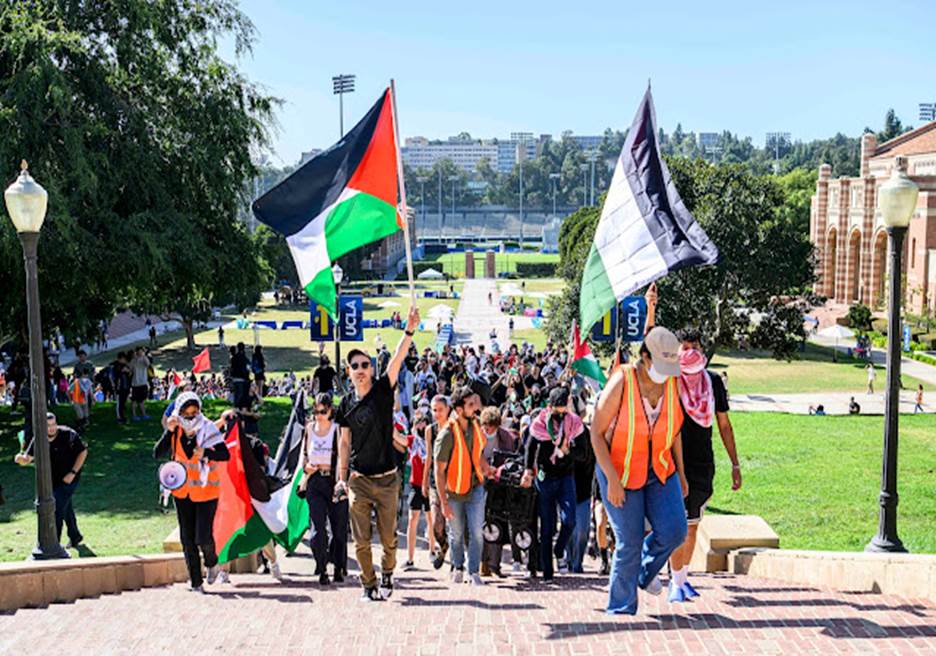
pixel 254 507
pixel 583 361
pixel 338 201
pixel 645 230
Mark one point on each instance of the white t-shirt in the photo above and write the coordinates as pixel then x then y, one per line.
pixel 319 448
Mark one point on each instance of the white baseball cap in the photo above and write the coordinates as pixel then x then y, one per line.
pixel 664 350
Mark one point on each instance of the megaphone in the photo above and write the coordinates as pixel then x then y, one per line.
pixel 172 475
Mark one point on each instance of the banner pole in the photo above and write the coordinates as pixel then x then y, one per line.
pixel 406 231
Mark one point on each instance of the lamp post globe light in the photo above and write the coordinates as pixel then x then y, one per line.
pixel 898 198
pixel 338 276
pixel 26 202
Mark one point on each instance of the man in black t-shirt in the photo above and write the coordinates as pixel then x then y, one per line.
pixel 324 375
pixel 704 404
pixel 67 454
pixel 369 448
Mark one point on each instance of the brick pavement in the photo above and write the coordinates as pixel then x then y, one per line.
pixel 427 615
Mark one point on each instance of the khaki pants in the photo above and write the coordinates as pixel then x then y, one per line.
pixel 368 494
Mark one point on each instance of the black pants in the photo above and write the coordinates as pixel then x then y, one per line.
pixel 122 405
pixel 195 532
pixel 319 494
pixel 65 512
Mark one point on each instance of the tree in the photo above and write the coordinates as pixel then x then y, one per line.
pixel 143 136
pixel 760 286
pixel 859 318
pixel 892 127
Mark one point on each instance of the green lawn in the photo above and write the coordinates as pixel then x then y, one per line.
pixel 454 263
pixel 812 371
pixel 814 479
pixel 290 350
pixel 117 499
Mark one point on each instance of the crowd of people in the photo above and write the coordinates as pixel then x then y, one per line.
pixel 494 449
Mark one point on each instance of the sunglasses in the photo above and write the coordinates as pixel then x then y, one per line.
pixel 364 364
pixel 321 411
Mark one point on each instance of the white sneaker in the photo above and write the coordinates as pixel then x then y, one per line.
pixel 517 567
pixel 213 574
pixel 458 576
pixel 655 586
pixel 476 579
pixel 275 572
pixel 223 577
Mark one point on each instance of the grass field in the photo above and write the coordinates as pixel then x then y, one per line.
pixel 454 263
pixel 812 371
pixel 815 480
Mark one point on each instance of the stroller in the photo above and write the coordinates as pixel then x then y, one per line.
pixel 510 510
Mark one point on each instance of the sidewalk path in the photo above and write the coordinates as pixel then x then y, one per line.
pixel 908 367
pixel 428 615
pixel 476 317
pixel 836 403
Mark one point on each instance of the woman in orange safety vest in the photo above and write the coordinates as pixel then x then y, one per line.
pixel 635 432
pixel 192 440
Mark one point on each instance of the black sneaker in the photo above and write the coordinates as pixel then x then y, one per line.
pixel 338 576
pixel 370 594
pixel 323 578
pixel 386 585
pixel 439 559
pixel 408 565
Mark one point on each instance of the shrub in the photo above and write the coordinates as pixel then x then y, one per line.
pixel 879 326
pixel 536 269
pixel 859 317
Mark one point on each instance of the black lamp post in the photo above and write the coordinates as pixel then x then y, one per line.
pixel 898 197
pixel 338 276
pixel 26 202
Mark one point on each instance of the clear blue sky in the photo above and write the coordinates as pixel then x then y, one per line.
pixel 811 68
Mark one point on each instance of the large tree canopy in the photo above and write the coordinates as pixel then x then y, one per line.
pixel 142 135
pixel 758 289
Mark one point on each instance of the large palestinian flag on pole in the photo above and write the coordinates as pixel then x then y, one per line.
pixel 645 230
pixel 338 201
pixel 255 507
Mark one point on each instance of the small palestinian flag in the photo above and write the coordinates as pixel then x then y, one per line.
pixel 254 507
pixel 338 201
pixel 582 359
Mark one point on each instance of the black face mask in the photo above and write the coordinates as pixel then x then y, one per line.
pixel 558 417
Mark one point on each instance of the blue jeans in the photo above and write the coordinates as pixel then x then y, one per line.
pixel 553 492
pixel 468 516
pixel 637 559
pixel 578 543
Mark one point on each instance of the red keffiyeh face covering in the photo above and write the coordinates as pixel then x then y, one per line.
pixel 695 387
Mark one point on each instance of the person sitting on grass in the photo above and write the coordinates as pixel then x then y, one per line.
pixel 853 407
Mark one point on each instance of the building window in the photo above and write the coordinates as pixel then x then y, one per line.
pixel 913 254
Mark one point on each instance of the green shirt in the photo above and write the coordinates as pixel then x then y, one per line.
pixel 442 452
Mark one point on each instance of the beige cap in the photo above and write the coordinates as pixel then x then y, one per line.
pixel 664 349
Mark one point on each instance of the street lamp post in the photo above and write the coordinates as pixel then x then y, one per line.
pixel 521 138
pixel 26 203
pixel 898 197
pixel 584 168
pixel 338 276
pixel 422 197
pixel 555 179
pixel 453 179
pixel 342 84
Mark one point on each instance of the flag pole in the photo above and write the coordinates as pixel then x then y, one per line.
pixel 399 163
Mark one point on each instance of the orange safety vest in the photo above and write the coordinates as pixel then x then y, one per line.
pixel 461 463
pixel 632 444
pixel 194 489
pixel 78 395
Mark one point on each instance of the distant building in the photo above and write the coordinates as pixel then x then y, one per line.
pixel 588 142
pixel 420 153
pixel 306 156
pixel 848 233
pixel 708 140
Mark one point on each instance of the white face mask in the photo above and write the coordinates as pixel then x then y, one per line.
pixel 656 376
pixel 190 424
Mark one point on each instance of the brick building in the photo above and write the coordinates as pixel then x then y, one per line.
pixel 847 230
pixel 390 251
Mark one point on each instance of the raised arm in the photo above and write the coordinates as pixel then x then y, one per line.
pixel 412 322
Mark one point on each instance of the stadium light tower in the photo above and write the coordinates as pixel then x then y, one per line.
pixel 777 138
pixel 521 138
pixel 342 84
pixel 554 177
